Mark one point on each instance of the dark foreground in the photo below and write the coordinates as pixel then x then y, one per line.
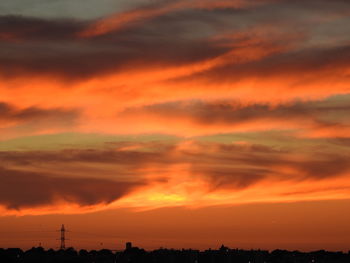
pixel 224 255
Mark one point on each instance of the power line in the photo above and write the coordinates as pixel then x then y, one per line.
pixel 63 237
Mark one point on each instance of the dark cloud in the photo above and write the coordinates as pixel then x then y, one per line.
pixel 328 166
pixel 37 115
pixel 222 165
pixel 322 62
pixel 19 28
pixel 70 61
pixel 78 59
pixel 234 178
pixel 133 158
pixel 31 45
pixel 52 47
pixel 316 167
pixel 344 142
pixel 211 113
pixel 22 189
pixel 242 165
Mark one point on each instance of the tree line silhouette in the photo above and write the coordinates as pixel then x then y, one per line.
pixel 137 255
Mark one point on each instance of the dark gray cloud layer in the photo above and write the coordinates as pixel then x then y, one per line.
pixel 23 189
pixel 30 45
pixel 37 29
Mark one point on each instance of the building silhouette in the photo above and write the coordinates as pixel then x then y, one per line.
pixel 128 245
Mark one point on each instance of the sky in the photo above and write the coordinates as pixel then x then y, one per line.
pixel 175 123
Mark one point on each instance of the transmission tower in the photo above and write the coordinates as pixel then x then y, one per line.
pixel 63 237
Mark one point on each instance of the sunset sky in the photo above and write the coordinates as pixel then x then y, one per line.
pixel 175 123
